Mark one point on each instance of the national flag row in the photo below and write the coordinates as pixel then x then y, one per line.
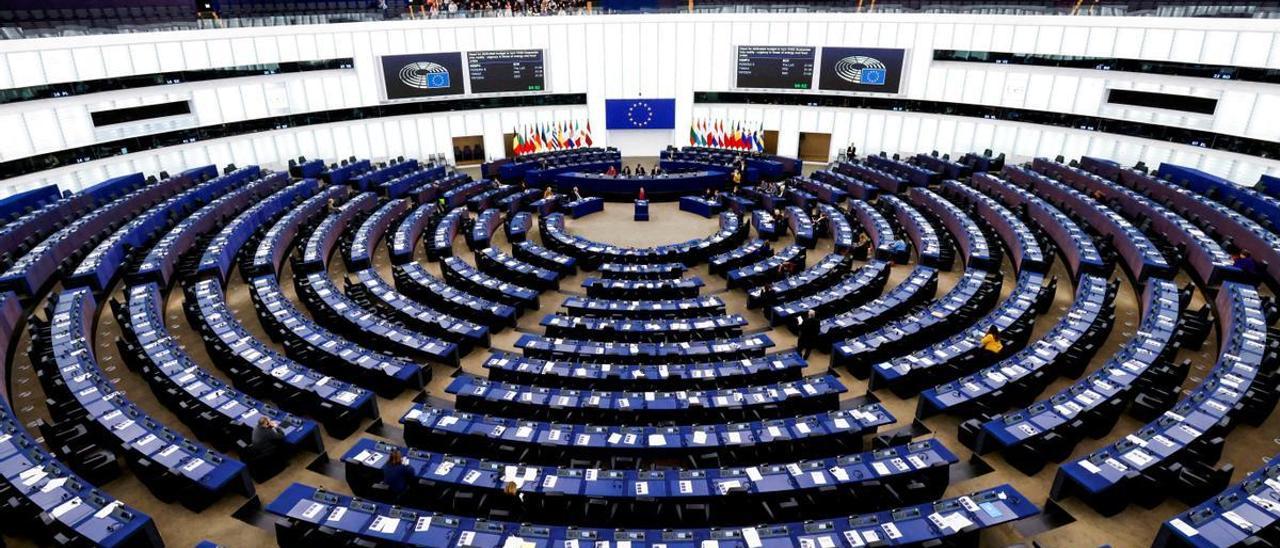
pixel 732 135
pixel 548 136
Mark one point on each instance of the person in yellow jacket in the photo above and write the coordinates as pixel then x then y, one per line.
pixel 737 178
pixel 991 340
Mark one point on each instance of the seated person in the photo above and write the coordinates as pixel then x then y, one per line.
pixel 626 170
pixel 820 223
pixel 547 193
pixel 266 438
pixel 657 170
pixel 1243 260
pixel 862 249
pixel 639 169
pixel 612 171
pixel 576 194
pixel 396 474
pixel 991 340
pixel 710 194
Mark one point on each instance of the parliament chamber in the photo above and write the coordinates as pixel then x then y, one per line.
pixel 639 273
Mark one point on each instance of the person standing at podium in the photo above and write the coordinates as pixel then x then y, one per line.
pixel 640 195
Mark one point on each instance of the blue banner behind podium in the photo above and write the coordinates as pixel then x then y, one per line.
pixel 640 113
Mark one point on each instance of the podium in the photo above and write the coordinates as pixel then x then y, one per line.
pixel 642 210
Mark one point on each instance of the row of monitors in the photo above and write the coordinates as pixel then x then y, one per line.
pixel 875 70
pixel 421 75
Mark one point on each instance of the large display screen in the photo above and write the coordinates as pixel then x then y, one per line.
pixel 877 70
pixel 422 75
pixel 506 70
pixel 775 67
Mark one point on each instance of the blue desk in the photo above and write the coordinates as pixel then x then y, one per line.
pixel 413 280
pixel 655 329
pixel 699 205
pixel 806 395
pixel 359 253
pixel 1017 237
pixel 340 405
pixel 1265 208
pixel 659 271
pixel 666 186
pixel 65 353
pixel 1226 396
pixel 1243 512
pixel 306 341
pixel 537 346
pixel 544 258
pixel 850 292
pixel 781 367
pixel 1060 351
pixel 706 305
pixel 370 289
pixel 333 308
pixel 326 514
pixel 461 274
pixel 919 286
pixel 659 289
pixel 318 246
pixel 872 474
pixel 1077 247
pixel 584 207
pixel 813 435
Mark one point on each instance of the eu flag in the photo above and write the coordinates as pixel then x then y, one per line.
pixel 640 113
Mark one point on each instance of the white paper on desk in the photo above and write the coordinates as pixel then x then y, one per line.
pixel 336 514
pixel 53 484
pixel 753 473
pixel 192 465
pixel 384 524
pixel 657 440
pixel 1183 527
pixel 751 537
pixel 33 476
pixel 312 511
pixel 699 437
pixel 471 477
pixel 66 507
pixel 958 521
pixel 880 468
pixel 818 477
pixel 839 473
pixel 615 437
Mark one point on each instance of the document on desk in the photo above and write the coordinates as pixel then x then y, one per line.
pixel 385 525
pixel 65 507
pixel 751 537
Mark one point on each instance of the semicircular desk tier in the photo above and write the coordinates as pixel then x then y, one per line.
pixel 879 351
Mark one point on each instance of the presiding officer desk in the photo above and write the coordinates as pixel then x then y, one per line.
pixel 665 186
pixel 312 516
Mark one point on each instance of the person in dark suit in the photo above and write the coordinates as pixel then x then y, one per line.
pixel 626 171
pixel 808 333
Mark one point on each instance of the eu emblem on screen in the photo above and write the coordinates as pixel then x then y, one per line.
pixel 420 75
pixel 424 75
